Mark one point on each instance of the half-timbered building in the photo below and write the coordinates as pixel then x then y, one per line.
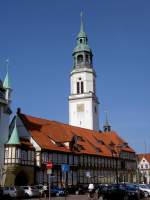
pixel 92 156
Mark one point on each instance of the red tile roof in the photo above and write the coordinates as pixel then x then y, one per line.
pixel 52 135
pixel 142 155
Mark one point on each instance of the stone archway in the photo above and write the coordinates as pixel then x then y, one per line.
pixel 21 179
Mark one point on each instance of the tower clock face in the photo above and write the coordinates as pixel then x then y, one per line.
pixel 80 107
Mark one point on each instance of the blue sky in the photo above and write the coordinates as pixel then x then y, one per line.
pixel 38 36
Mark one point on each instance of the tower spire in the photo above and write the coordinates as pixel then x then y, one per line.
pixel 106 126
pixel 6 83
pixel 81 25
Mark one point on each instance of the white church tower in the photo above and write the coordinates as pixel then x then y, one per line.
pixel 83 102
pixel 5 111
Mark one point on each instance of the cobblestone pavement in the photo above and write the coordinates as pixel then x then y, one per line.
pixel 71 197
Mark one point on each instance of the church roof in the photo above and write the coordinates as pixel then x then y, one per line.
pixel 52 135
pixel 144 155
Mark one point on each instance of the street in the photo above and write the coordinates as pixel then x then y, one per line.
pixel 72 197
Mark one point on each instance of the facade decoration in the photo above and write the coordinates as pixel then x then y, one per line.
pixel 144 168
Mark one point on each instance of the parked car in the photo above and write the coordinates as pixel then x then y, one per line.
pixel 13 192
pixel 145 189
pixel 120 191
pixel 81 189
pixel 56 191
pixel 102 190
pixel 133 192
pixel 77 189
pixel 31 191
pixel 43 190
pixel 1 193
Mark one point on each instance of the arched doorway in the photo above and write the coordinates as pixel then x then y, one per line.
pixel 21 179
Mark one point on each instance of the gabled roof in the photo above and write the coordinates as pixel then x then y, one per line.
pixel 144 155
pixel 52 135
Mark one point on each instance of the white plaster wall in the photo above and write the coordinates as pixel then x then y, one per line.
pixel 95 116
pixel 87 119
pixel 36 146
pixel 87 77
pixel 84 119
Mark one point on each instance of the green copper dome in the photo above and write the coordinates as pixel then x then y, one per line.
pixel 82 47
pixel 82 40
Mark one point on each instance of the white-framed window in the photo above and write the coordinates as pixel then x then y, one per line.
pixel 6 153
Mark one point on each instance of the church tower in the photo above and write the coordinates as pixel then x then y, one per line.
pixel 83 102
pixel 5 112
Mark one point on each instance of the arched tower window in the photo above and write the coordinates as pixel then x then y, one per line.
pixel 80 86
pixel 80 41
pixel 87 58
pixel 79 59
